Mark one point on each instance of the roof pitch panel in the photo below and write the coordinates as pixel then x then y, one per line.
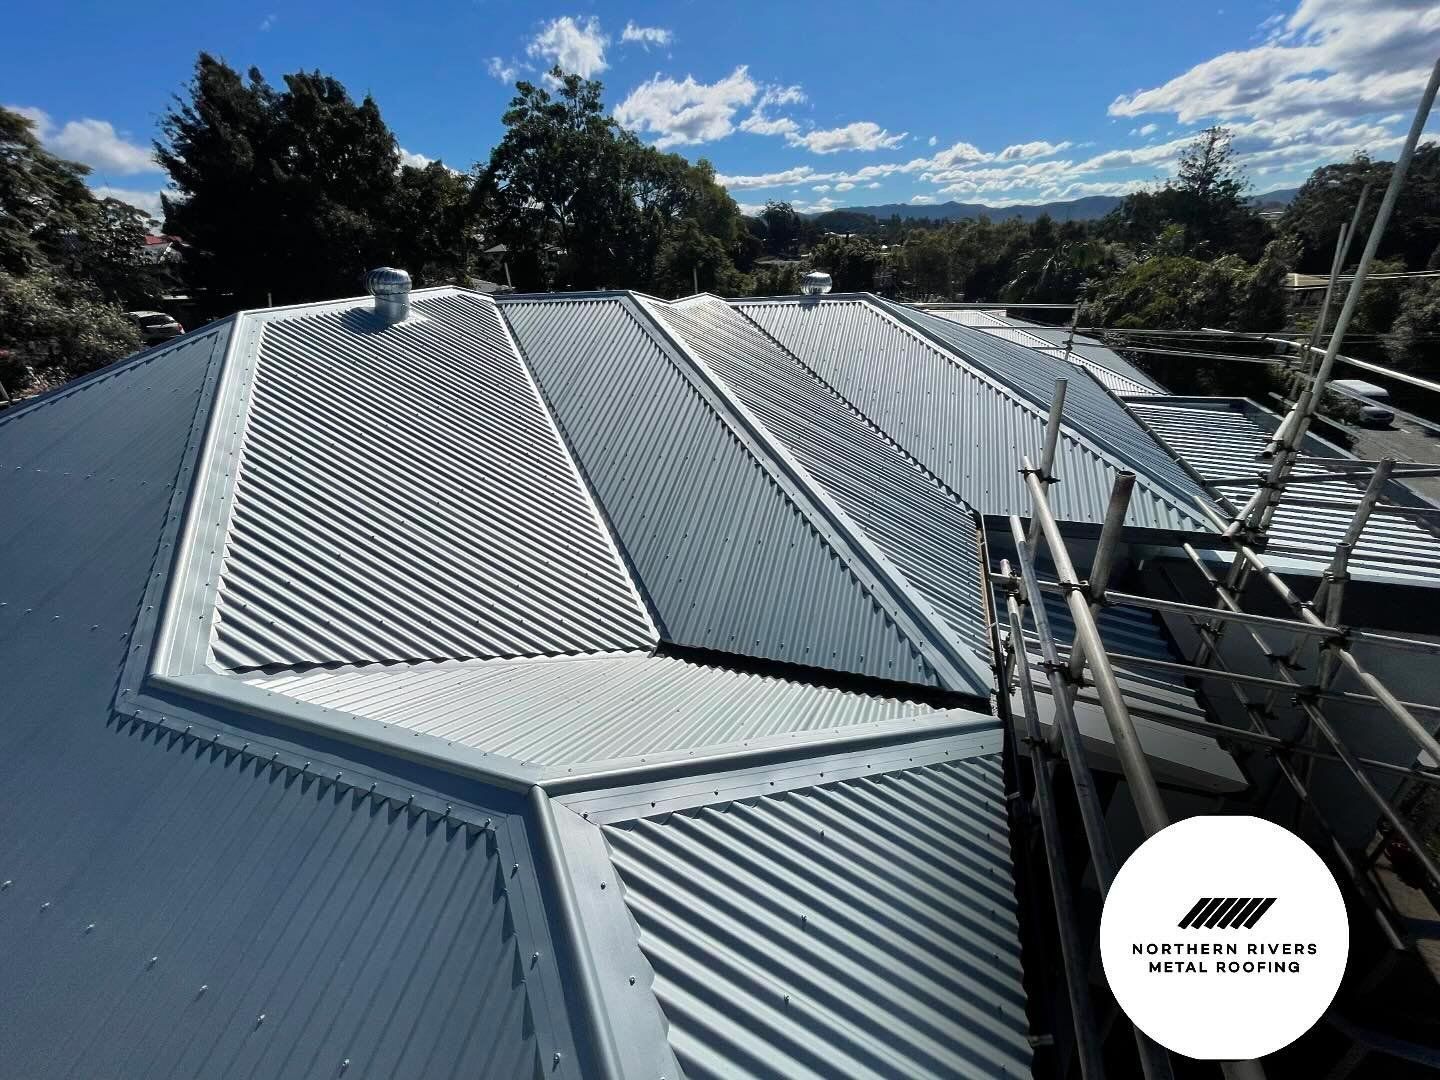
pixel 728 558
pixel 404 495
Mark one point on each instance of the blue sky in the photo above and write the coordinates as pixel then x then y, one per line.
pixel 828 104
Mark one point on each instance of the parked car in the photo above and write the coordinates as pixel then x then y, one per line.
pixel 1374 401
pixel 155 326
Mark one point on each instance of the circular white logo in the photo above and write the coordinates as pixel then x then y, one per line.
pixel 1224 938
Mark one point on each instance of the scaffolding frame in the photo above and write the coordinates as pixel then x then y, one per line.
pixel 1313 623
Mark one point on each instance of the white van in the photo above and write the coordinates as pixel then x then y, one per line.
pixel 1375 408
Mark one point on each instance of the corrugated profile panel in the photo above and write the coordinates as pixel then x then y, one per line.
pixel 555 712
pixel 1089 409
pixel 927 532
pixel 157 897
pixel 403 494
pixel 727 559
pixel 80 431
pixel 1112 369
pixel 209 916
pixel 859 929
pixel 1224 437
pixel 967 429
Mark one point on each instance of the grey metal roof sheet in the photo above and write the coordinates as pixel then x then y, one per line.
pixel 402 493
pixel 865 928
pixel 1224 436
pixel 175 907
pixel 1089 407
pixel 727 554
pixel 1108 366
pixel 969 425
pixel 584 711
pixel 922 527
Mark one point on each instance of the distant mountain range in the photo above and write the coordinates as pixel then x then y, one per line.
pixel 1086 209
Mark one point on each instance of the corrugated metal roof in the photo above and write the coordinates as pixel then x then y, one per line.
pixel 928 533
pixel 969 426
pixel 1089 408
pixel 1113 370
pixel 728 557
pixel 1224 437
pixel 591 709
pixel 171 908
pixel 403 494
pixel 865 928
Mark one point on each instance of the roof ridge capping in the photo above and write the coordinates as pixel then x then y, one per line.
pixel 961 668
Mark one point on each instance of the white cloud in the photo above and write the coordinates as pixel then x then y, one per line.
pixel 646 35
pixel 1337 57
pixel 1026 151
pixel 844 185
pixel 873 185
pixel 498 69
pixel 575 45
pixel 1145 130
pixel 148 201
pixel 931 141
pixel 267 22
pixel 90 142
pixel 923 200
pixel 687 113
pixel 757 123
pixel 785 178
pixel 781 95
pixel 961 153
pixel 821 187
pixel 861 135
pixel 415 161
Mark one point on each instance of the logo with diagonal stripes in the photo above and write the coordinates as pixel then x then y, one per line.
pixel 1226 912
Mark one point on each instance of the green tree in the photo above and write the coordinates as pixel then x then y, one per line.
pixel 53 329
pixel 292 194
pixel 1206 199
pixel 1414 342
pixel 43 198
pixel 65 258
pixel 851 262
pixel 582 203
pixel 1328 198
pixel 787 232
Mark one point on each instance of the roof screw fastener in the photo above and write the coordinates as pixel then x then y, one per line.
pixel 259 1020
pixel 153 961
pixel 632 980
pixel 344 1064
pixel 45 906
pixel 557 1057
pixel 90 928
pixel 5 885
pixel 535 958
pixel 203 988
